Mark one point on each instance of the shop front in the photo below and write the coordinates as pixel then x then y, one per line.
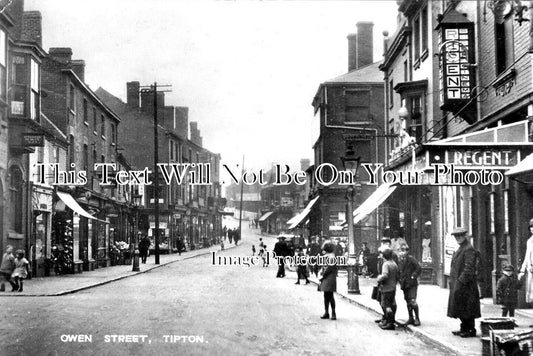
pixel 40 241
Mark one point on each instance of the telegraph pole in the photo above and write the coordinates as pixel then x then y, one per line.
pixel 240 207
pixel 153 89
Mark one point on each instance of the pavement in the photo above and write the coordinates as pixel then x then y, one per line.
pixel 435 326
pixel 72 283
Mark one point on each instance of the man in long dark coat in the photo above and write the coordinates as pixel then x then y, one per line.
pixel 463 302
pixel 281 250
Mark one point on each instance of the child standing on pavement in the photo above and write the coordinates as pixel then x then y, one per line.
pixel 6 269
pixel 262 253
pixel 506 290
pixel 21 269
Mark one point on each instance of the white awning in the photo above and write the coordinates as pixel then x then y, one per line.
pixel 301 217
pixel 524 166
pixel 293 219
pixel 265 216
pixel 73 204
pixel 373 201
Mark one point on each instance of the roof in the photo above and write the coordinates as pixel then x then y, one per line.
pixel 367 74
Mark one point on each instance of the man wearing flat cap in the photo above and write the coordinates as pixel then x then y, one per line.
pixel 463 302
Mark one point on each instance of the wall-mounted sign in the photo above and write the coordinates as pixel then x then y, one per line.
pixel 33 140
pixel 456 73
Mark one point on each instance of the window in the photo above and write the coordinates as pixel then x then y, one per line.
pixel 85 162
pixel 391 93
pixel 504 44
pixel 113 134
pixel 416 40
pixel 15 199
pixel 3 63
pixel 424 29
pixel 85 111
pixel 71 150
pixel 95 120
pixel 102 126
pixel 356 106
pixel 72 98
pixel 416 124
pixel 34 90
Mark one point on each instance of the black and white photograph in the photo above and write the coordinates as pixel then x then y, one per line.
pixel 266 177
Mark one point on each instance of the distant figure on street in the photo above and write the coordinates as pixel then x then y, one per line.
pixel 281 250
pixel 253 250
pixel 230 235
pixel 6 269
pixel 363 258
pixel 263 251
pixel 387 281
pixel 144 246
pixel 313 249
pixel 409 271
pixel 21 270
pixel 527 266
pixel 328 283
pixel 236 235
pixel 301 269
pixel 224 232
pixel 507 291
pixel 463 302
pixel 181 246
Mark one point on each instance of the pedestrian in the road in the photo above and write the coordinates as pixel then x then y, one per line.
pixel 507 290
pixel 463 302
pixel 253 250
pixel 21 270
pixel 301 269
pixel 409 271
pixel 387 281
pixel 313 249
pixel 328 282
pixel 263 252
pixel 144 246
pixel 527 266
pixel 281 250
pixel 6 269
pixel 230 235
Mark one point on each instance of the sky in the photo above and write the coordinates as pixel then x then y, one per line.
pixel 247 70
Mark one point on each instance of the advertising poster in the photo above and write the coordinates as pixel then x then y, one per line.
pixel 265 177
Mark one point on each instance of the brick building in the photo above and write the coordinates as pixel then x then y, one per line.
pixel 470 100
pixel 188 211
pixel 349 112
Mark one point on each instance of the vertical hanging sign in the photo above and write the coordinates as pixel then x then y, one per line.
pixel 456 75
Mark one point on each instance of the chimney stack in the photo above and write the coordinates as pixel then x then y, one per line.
pixel 365 43
pixel 132 93
pixel 62 53
pixel 304 164
pixel 32 27
pixel 352 52
pixel 78 66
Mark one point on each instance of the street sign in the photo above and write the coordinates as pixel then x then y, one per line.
pixel 33 140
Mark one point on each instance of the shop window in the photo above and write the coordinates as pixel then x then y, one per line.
pixel 16 199
pixel 504 44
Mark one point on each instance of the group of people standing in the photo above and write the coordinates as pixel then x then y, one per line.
pixel 232 234
pixel 14 269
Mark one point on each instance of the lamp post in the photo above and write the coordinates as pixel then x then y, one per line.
pixel 136 203
pixel 351 164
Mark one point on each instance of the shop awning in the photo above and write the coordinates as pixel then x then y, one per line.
pixel 73 204
pixel 295 221
pixel 373 201
pixel 265 216
pixel 524 166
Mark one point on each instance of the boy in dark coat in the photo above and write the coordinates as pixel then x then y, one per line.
pixel 409 271
pixel 387 281
pixel 328 283
pixel 301 270
pixel 506 290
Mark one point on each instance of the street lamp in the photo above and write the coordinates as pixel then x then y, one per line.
pixel 351 164
pixel 137 201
